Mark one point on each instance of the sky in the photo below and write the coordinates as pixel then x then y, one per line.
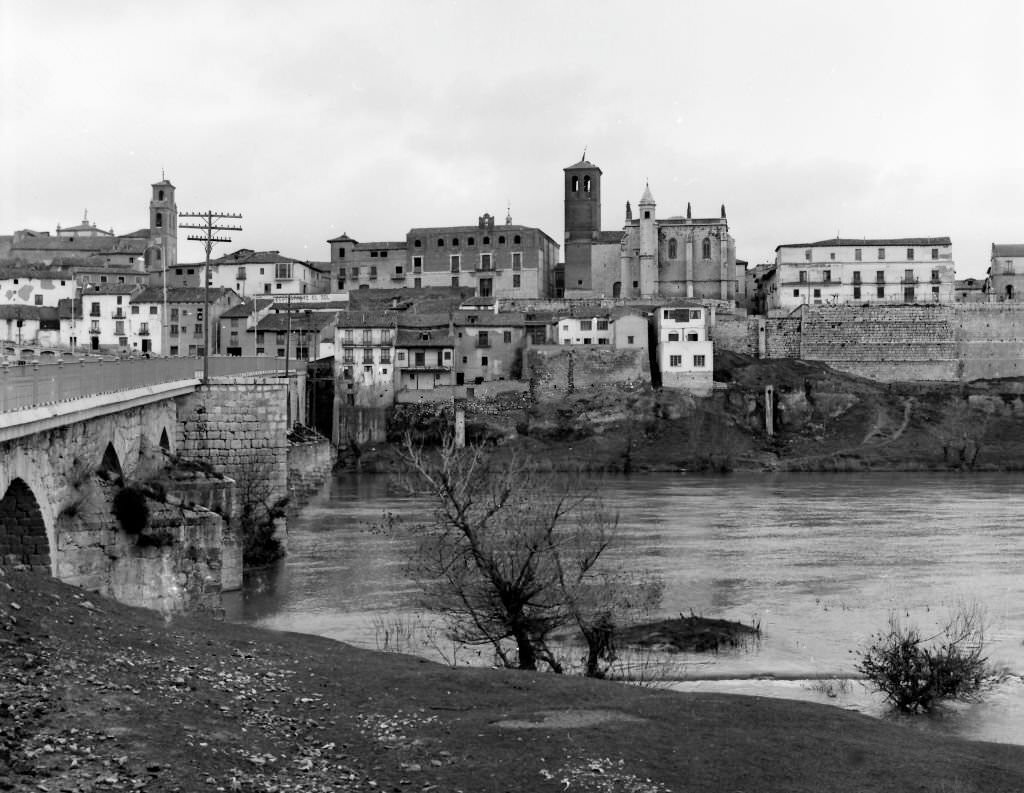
pixel 312 118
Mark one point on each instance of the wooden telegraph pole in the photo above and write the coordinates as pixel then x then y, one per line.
pixel 211 227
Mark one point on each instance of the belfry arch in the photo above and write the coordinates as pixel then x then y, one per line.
pixel 23 538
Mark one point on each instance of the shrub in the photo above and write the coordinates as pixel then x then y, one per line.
pixel 917 673
pixel 131 510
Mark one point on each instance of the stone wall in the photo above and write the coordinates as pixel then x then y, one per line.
pixel 733 333
pixel 238 428
pixel 555 371
pixel 990 340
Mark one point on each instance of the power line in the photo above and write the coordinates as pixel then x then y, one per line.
pixel 212 225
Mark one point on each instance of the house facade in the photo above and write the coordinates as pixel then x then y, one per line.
pixel 685 351
pixel 251 273
pixel 489 346
pixel 1006 272
pixel 176 322
pixel 364 360
pixel 862 272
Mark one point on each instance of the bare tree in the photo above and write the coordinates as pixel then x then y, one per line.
pixel 510 555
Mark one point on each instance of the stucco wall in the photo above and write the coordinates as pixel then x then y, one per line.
pixel 555 371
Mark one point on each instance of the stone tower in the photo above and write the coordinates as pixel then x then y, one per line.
pixel 163 228
pixel 648 245
pixel 582 221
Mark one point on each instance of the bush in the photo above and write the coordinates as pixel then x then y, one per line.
pixel 131 510
pixel 917 673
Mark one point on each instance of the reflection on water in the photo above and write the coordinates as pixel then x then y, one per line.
pixel 820 560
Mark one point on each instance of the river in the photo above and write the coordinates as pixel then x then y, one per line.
pixel 819 560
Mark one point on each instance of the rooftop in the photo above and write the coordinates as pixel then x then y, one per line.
pixel 842 242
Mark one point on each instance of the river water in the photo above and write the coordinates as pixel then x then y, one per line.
pixel 819 560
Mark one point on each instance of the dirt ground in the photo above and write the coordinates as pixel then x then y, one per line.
pixel 97 696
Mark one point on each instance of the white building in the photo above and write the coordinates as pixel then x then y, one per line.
pixel 255 273
pixel 106 323
pixel 840 271
pixel 1006 273
pixel 621 328
pixel 685 351
pixel 364 358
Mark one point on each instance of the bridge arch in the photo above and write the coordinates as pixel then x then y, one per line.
pixel 110 466
pixel 24 538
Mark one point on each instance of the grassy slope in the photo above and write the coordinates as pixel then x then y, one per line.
pixel 100 696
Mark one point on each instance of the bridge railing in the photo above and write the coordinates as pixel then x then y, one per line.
pixel 35 384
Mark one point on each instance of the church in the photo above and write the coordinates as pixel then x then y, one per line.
pixel 676 257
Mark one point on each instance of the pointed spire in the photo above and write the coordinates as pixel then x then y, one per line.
pixel 629 211
pixel 508 214
pixel 689 214
pixel 85 217
pixel 723 211
pixel 647 198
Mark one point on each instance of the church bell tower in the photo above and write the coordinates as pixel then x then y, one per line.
pixel 163 228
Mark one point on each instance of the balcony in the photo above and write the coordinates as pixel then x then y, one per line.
pixel 143 331
pixel 118 314
pixel 483 343
pixel 95 311
pixel 910 280
pixel 397 276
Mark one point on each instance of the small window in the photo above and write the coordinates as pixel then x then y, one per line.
pixel 135 309
pixel 673 337
pixel 506 336
pixel 585 324
pixel 803 276
pixel 807 255
pixel 672 248
pixel 856 254
pixel 484 360
pixel 159 219
pixel 501 239
pixel 881 254
pixel 675 360
pixel 698 361
pixel 373 254
pixel 881 291
pixel 417 243
pixel 487 240
pixel 602 324
pixel 856 293
pixel 152 309
pixel 910 254
pixel 471 241
pixel 706 248
pixel 935 253
pixel 516 240
pixel 39 301
pixel 832 256
pixel 516 281
pixel 796 293
pixel 629 339
pixel 826 276
pixel 440 243
pixel 455 242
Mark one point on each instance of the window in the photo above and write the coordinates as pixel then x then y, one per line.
pixel 470 240
pixel 159 219
pixel 421 358
pixel 602 340
pixel 705 248
pixel 373 273
pixel 856 276
pixel 383 254
pixel 832 256
pixel 803 276
pixel 95 310
pixel 174 350
pixel 501 239
pixel 935 294
pixel 881 254
pixel 826 275
pixel 368 355
pixel 796 293
pixel 672 248
pixel 698 361
pixel 586 324
pixel 675 360
pixel 341 253
pixel 440 243
pixel 385 355
pixel 484 360
pixel 487 240
pixel 910 254
pixel 385 336
pixel 417 264
pixel 1008 267
pixel 152 310
pixel 198 331
pixel 119 327
pixel 647 214
pixel 856 293
pixel 516 240
pixel 935 276
pixel 807 255
pixel 417 283
pixel 455 280
pixel 856 254
pixel 629 340
pixel 417 243
pixel 485 261
pixel 39 302
pixel 908 276
pixel 817 294
pixel 674 336
pixel 935 253
pixel 880 291
pixel 517 262
pixel 692 337
pixel 135 309
pixel 455 242
pixel 174 330
pixel 367 336
pixel 506 336
pixel 879 276
pixel 455 263
pixel 483 339
pixel 516 281
pixel 602 324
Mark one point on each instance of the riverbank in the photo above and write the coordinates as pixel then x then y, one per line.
pixel 100 696
pixel 821 420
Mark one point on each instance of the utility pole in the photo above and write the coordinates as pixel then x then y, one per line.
pixel 211 226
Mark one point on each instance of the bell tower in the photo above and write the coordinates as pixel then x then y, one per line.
pixel 582 201
pixel 163 228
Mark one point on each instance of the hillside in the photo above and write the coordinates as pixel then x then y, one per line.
pixel 99 696
pixel 824 420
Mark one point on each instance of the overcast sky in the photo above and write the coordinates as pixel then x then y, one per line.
pixel 870 119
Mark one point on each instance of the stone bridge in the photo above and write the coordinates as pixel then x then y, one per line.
pixel 196 451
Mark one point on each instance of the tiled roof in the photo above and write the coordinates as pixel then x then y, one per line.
pixel 37 271
pixel 432 320
pixel 299 322
pixel 1007 250
pixel 107 245
pixel 111 289
pixel 841 242
pixel 343 238
pixel 246 256
pixel 488 319
pixel 414 338
pixel 27 312
pixel 180 294
pixel 367 319
pixel 581 164
pixel 243 309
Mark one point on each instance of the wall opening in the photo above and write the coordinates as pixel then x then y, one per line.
pixel 22 529
pixel 110 466
pixel 165 442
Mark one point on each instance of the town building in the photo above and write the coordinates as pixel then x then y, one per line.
pixel 35 285
pixel 685 351
pixel 148 249
pixel 106 324
pixel 27 325
pixel 679 256
pixel 182 333
pixel 971 290
pixel 619 328
pixel 493 261
pixel 1006 272
pixel 862 272
pixel 488 345
pixel 364 361
pixel 251 273
pixel 424 355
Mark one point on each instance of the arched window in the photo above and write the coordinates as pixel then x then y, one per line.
pixel 672 251
pixel 160 195
pixel 471 241
pixel 455 242
pixel 487 240
pixel 575 184
pixel 417 243
pixel 440 243
pixel 159 219
pixel 159 255
pixel 501 240
pixel 705 248
pixel 517 239
pixel 586 184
